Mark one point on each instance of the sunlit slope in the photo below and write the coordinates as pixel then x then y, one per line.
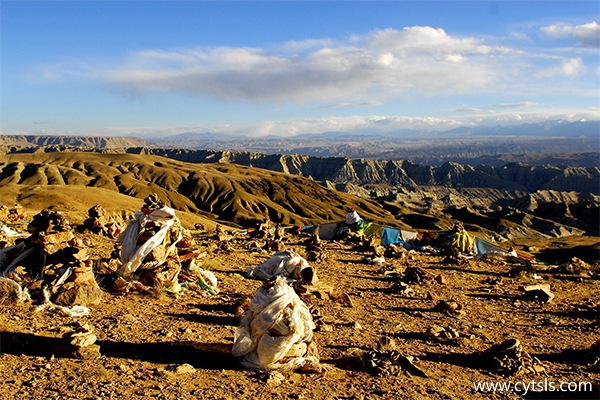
pixel 224 192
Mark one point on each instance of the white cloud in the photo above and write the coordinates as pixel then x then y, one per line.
pixel 353 124
pixel 474 110
pixel 523 104
pixel 373 124
pixel 379 65
pixel 587 34
pixel 570 67
pixel 347 104
pixel 382 124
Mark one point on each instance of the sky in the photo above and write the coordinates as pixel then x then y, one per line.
pixel 160 68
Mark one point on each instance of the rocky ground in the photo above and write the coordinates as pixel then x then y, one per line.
pixel 444 316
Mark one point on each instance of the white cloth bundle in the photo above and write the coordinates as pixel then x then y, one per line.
pixel 284 263
pixel 276 332
pixel 352 218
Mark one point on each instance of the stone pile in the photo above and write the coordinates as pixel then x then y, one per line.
pixel 98 221
pixel 13 215
pixel 157 252
pixel 80 343
pixel 52 259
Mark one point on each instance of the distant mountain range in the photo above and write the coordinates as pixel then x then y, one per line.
pixel 472 145
pixel 549 142
pixel 91 142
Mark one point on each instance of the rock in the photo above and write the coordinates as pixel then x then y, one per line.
pixel 417 275
pixel 11 291
pixel 442 333
pixel 435 331
pixel 342 298
pixel 184 369
pixel 449 307
pixel 83 339
pixel 82 336
pixel 58 237
pixel 70 294
pixel 400 287
pixel 84 275
pixel 509 358
pixel 275 378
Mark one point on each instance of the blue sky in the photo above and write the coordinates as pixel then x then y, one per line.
pixel 152 68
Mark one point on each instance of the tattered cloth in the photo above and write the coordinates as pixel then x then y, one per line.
pixel 132 254
pixel 352 218
pixel 483 247
pixel 462 241
pixel 284 263
pixel 394 236
pixel 328 231
pixel 276 332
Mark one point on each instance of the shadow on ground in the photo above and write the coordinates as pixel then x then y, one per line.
pixel 215 356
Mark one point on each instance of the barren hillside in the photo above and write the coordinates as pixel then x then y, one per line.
pixel 224 192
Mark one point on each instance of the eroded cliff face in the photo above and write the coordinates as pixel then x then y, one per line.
pixel 510 201
pixel 513 176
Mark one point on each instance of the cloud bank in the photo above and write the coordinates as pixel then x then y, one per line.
pixel 588 34
pixel 378 66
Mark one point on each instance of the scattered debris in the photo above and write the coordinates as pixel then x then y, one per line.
pixel 386 360
pixel 315 249
pixel 379 261
pixel 539 292
pixel 51 264
pixel 457 243
pixel 155 247
pixel 592 358
pixel 396 251
pixel 440 333
pixel 12 215
pixel 417 275
pixel 399 287
pixel 11 291
pixel 184 369
pixel 575 266
pixel 509 359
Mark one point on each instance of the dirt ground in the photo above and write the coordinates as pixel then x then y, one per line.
pixel 179 347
